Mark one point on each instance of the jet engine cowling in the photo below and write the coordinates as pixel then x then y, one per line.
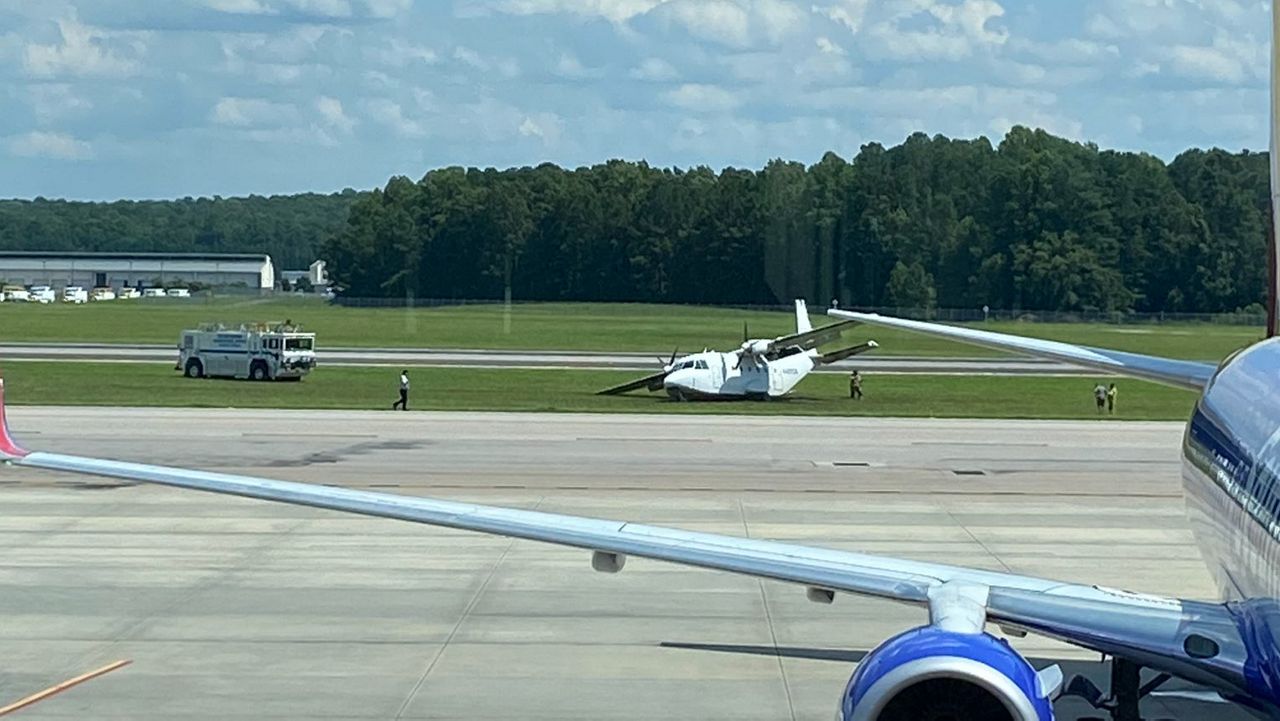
pixel 930 674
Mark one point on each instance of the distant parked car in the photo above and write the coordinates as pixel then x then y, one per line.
pixel 75 294
pixel 128 293
pixel 102 294
pixel 153 293
pixel 15 292
pixel 41 294
pixel 178 293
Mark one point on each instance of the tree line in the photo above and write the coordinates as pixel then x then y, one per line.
pixel 1036 222
pixel 289 228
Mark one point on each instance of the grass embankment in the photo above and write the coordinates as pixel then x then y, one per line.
pixel 121 384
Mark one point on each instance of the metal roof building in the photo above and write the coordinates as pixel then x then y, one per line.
pixel 145 270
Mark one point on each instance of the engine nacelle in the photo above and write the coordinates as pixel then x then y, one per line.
pixel 757 347
pixel 929 673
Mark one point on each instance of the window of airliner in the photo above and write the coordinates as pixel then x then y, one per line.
pixel 701 365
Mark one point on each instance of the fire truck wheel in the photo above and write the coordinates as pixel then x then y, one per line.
pixel 194 369
pixel 258 371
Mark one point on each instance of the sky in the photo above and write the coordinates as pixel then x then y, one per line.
pixel 107 99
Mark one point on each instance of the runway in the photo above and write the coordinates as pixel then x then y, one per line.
pixel 641 362
pixel 236 609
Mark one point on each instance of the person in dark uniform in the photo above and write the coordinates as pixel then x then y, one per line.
pixel 403 403
pixel 855 386
pixel 1100 397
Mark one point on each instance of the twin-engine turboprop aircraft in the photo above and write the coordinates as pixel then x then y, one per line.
pixel 760 368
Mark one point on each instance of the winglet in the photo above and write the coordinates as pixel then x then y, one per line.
pixel 9 448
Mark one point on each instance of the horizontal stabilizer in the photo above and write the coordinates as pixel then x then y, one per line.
pixel 1183 374
pixel 839 355
pixel 653 383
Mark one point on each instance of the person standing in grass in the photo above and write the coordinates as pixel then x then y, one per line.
pixel 855 386
pixel 403 403
pixel 1111 399
pixel 1100 397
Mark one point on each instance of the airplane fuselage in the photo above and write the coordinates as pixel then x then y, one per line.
pixel 715 375
pixel 1231 478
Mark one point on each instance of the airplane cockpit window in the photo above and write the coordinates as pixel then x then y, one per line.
pixel 701 365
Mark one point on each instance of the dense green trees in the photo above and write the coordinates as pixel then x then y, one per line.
pixel 1036 223
pixel 289 228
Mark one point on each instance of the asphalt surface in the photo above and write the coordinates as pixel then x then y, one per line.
pixel 236 609
pixel 427 357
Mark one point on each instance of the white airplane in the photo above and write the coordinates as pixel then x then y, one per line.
pixel 760 368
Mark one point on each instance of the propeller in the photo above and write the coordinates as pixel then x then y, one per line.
pixel 668 363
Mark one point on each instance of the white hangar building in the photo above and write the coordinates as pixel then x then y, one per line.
pixel 145 270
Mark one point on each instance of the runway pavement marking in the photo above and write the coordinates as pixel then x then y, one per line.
pixel 59 688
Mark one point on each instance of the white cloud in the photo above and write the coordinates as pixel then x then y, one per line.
pixel 85 52
pixel 827 47
pixel 57 146
pixel 568 66
pixel 390 114
pixel 331 112
pixel 702 98
pixel 613 10
pixel 398 53
pixel 247 112
pixel 655 69
pixel 547 127
pixel 735 23
pixel 53 101
pixel 1205 63
pixel 504 66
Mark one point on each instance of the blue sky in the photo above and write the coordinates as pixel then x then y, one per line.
pixel 104 99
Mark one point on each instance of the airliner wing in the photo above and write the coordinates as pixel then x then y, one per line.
pixel 815 337
pixel 651 382
pixel 1197 641
pixel 1180 373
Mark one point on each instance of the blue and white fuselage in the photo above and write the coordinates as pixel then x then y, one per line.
pixel 1231 477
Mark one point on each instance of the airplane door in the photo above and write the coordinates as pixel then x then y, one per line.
pixel 775 380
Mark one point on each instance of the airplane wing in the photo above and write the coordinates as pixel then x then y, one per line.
pixel 1197 641
pixel 652 382
pixel 1182 374
pixel 815 337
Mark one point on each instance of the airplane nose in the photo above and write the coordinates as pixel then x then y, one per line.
pixel 678 385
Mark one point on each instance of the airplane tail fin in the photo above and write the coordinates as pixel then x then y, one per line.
pixel 9 448
pixel 802 317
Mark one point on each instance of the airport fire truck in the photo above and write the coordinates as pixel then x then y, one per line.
pixel 257 351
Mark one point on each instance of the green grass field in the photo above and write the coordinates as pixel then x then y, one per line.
pixel 553 326
pixel 126 384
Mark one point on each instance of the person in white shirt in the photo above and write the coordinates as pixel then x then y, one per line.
pixel 403 403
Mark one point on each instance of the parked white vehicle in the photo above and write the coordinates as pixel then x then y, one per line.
pixel 259 352
pixel 41 294
pixel 102 294
pixel 15 292
pixel 153 293
pixel 75 294
pixel 178 293
pixel 128 293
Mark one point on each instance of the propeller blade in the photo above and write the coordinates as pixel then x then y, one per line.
pixel 674 351
pixel 745 338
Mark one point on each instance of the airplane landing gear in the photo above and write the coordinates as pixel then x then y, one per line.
pixel 1127 691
